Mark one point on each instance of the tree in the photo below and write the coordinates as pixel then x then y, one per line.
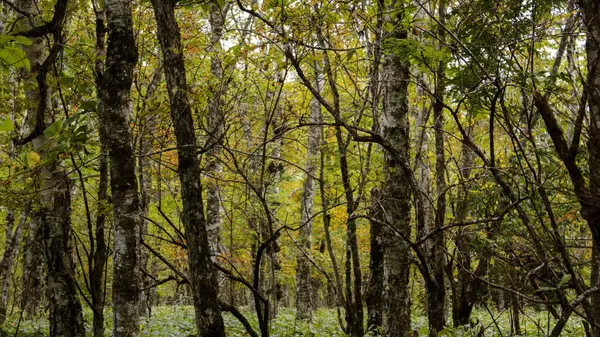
pixel 202 275
pixel 114 110
pixel 397 193
pixel 304 301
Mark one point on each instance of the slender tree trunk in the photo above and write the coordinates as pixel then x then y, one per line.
pixel 352 268
pixel 100 256
pixel 145 183
pixel 12 236
pixel 114 108
pixel 422 164
pixel 397 191
pixel 375 298
pixel 216 126
pixel 11 247
pixel 304 305
pixel 339 292
pixel 146 130
pixel 202 275
pixel 462 303
pixel 270 191
pixel 436 296
pixel 98 291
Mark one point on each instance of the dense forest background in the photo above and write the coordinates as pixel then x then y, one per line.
pixel 300 168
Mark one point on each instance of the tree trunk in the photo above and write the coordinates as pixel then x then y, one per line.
pixel 11 247
pixel 147 128
pixel 114 109
pixel 32 279
pixel 98 291
pixel 216 125
pixel 53 229
pixel 462 303
pixel 66 316
pixel 375 298
pixel 436 296
pixel 100 255
pixel 339 292
pixel 202 275
pixel 304 305
pixel 33 269
pixel 396 191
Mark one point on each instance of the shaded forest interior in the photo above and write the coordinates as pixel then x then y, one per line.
pixel 299 168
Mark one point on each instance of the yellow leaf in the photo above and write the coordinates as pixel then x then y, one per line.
pixel 33 158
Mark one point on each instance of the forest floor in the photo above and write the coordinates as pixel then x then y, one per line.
pixel 178 321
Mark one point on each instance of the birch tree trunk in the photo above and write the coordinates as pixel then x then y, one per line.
pixel 216 125
pixel 202 275
pixel 304 303
pixel 66 315
pixel 114 108
pixel 54 199
pixel 33 266
pixel 397 190
pixel 147 128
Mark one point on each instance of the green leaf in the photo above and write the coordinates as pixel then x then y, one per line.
pixel 88 106
pixel 6 125
pixel 14 56
pixel 66 81
pixel 544 289
pixel 389 27
pixel 22 40
pixel 53 129
pixel 564 280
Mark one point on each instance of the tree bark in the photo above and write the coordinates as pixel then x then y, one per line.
pixel 33 266
pixel 100 255
pixel 98 291
pixel 54 199
pixel 397 190
pixel 216 126
pixel 436 294
pixel 114 109
pixel 66 315
pixel 462 302
pixel 11 247
pixel 202 275
pixel 304 305
pixel 147 128
pixel 375 298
